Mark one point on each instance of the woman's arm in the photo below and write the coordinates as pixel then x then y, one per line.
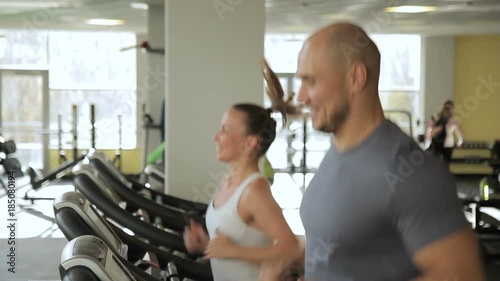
pixel 436 131
pixel 458 131
pixel 266 214
pixel 195 238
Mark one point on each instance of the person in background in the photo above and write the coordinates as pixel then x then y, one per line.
pixel 443 132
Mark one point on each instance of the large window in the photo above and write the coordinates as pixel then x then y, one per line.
pixel 399 94
pixel 45 73
pixel 399 85
pixel 90 70
pixel 22 93
pixel 91 60
pixel 23 49
pixel 114 110
pixel 281 51
pixel 400 62
pixel 400 78
pixel 84 68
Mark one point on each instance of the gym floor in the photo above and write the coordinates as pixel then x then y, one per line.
pixel 39 242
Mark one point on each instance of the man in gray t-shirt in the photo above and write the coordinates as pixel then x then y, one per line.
pixel 367 211
pixel 379 208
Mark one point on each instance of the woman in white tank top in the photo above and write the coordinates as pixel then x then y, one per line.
pixel 245 225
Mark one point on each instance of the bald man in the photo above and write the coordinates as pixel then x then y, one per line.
pixel 379 208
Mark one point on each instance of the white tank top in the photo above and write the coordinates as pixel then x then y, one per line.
pixel 226 219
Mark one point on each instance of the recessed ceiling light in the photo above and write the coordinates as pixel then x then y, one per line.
pixel 108 22
pixel 337 17
pixel 139 6
pixel 410 9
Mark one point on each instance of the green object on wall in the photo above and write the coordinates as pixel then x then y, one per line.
pixel 156 155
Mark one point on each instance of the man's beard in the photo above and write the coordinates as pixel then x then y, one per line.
pixel 338 120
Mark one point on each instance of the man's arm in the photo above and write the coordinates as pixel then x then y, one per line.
pixel 299 266
pixel 429 218
pixel 285 269
pixel 454 258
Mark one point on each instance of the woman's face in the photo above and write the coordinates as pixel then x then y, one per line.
pixel 232 140
pixel 448 111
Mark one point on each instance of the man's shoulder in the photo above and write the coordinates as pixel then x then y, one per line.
pixel 393 143
pixel 407 163
pixel 420 172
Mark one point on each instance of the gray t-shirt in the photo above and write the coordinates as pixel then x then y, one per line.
pixel 368 210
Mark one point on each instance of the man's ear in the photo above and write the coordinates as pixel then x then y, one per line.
pixel 359 76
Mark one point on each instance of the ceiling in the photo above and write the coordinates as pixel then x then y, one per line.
pixel 452 17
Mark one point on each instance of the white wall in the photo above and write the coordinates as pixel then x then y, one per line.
pixel 151 78
pixel 438 69
pixel 213 61
pixel 142 94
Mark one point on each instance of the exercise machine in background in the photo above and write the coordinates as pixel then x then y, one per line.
pixel 38 179
pixel 152 163
pixel 10 166
pixel 8 160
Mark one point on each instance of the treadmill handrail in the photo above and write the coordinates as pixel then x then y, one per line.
pixel 111 210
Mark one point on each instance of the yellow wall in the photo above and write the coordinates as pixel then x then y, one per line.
pixel 131 159
pixel 477 90
pixel 477 59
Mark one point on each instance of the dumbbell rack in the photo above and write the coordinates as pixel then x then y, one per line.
pixel 482 154
pixel 474 159
pixel 490 184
